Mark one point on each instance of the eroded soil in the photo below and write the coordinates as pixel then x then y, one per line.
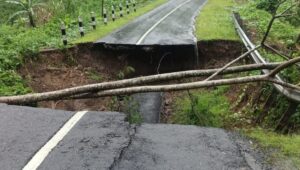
pixel 69 68
pixel 87 64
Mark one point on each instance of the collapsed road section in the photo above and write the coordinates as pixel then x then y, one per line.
pixel 168 29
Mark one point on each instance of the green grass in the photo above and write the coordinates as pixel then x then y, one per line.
pixel 288 145
pixel 210 106
pixel 103 30
pixel 214 21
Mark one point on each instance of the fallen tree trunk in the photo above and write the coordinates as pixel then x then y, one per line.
pixel 184 86
pixel 93 88
pixel 90 91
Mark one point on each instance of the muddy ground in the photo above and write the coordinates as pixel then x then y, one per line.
pixel 86 64
pixel 72 67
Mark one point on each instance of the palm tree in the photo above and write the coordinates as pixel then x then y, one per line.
pixel 27 8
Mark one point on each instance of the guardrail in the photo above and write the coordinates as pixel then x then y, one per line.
pixel 289 93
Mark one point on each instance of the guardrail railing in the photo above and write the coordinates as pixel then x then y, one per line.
pixel 289 93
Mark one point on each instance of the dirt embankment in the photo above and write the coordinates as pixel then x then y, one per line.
pixel 87 63
pixel 72 67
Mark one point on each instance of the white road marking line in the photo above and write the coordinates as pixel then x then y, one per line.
pixel 158 22
pixel 40 156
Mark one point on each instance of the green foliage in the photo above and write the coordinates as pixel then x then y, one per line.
pixel 27 9
pixel 282 31
pixel 132 109
pixel 210 107
pixel 18 42
pixel 129 106
pixel 290 74
pixel 11 84
pixel 127 70
pixel 288 145
pixel 268 5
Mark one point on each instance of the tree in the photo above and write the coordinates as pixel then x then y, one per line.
pixel 27 8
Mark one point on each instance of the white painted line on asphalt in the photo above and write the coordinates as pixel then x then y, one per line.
pixel 158 22
pixel 40 156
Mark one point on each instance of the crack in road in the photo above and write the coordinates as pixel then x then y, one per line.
pixel 131 133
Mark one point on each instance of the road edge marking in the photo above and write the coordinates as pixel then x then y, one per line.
pixel 159 21
pixel 40 156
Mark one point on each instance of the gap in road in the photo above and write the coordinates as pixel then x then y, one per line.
pixel 94 63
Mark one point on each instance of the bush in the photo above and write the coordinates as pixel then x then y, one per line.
pixel 282 31
pixel 267 5
pixel 12 84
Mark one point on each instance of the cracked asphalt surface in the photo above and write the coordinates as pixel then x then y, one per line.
pixel 104 140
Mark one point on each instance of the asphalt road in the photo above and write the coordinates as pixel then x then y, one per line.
pixel 104 140
pixel 170 24
pixel 149 106
pixel 23 130
pixel 33 138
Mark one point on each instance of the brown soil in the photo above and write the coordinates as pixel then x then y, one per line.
pixel 214 54
pixel 76 66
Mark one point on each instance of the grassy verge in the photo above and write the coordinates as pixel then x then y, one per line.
pixel 287 145
pixel 210 107
pixel 214 21
pixel 104 30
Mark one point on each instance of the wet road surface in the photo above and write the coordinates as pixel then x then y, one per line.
pixel 104 140
pixel 170 24
pixel 53 139
pixel 149 106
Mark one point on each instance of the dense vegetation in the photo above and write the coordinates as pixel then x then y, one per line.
pixel 20 38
